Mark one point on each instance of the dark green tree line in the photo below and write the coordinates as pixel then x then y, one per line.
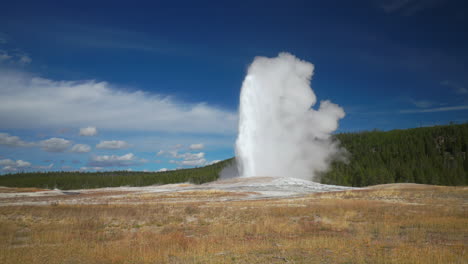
pixel 430 155
pixel 67 180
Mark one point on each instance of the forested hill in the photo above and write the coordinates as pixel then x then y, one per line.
pixel 66 180
pixel 431 155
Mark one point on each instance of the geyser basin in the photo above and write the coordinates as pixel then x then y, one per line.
pixel 280 134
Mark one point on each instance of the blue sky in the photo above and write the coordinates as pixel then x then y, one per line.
pixel 155 85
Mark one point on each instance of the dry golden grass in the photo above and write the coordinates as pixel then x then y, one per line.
pixel 381 225
pixel 193 194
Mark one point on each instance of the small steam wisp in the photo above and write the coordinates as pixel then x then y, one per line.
pixel 280 134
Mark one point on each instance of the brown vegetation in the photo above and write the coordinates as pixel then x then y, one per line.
pixel 408 224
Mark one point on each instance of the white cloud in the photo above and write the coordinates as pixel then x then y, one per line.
pixel 186 156
pixel 50 145
pixel 55 144
pixel 9 169
pixel 112 144
pixel 7 162
pixel 13 141
pixel 197 162
pixel 27 101
pixel 196 146
pixel 17 163
pixel 115 161
pixel 48 167
pixel 21 163
pixel 163 169
pixel 191 156
pixel 91 168
pixel 12 165
pixel 189 159
pixel 81 148
pixel 88 131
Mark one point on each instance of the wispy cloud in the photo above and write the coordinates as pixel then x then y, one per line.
pixel 24 59
pixel 422 103
pixel 27 101
pixel 4 56
pixel 197 146
pixel 49 145
pixel 81 148
pixel 16 57
pixel 112 144
pixel 186 159
pixel 190 162
pixel 92 168
pixel 407 7
pixel 190 156
pixel 44 167
pixel 126 160
pixel 458 88
pixel 14 141
pixel 98 37
pixel 438 109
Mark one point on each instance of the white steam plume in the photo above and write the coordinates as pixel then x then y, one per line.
pixel 280 134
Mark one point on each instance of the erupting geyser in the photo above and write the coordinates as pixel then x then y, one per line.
pixel 280 134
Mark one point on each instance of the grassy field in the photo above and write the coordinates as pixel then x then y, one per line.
pixel 384 224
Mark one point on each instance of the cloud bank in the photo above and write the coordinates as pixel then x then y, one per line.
pixel 31 102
